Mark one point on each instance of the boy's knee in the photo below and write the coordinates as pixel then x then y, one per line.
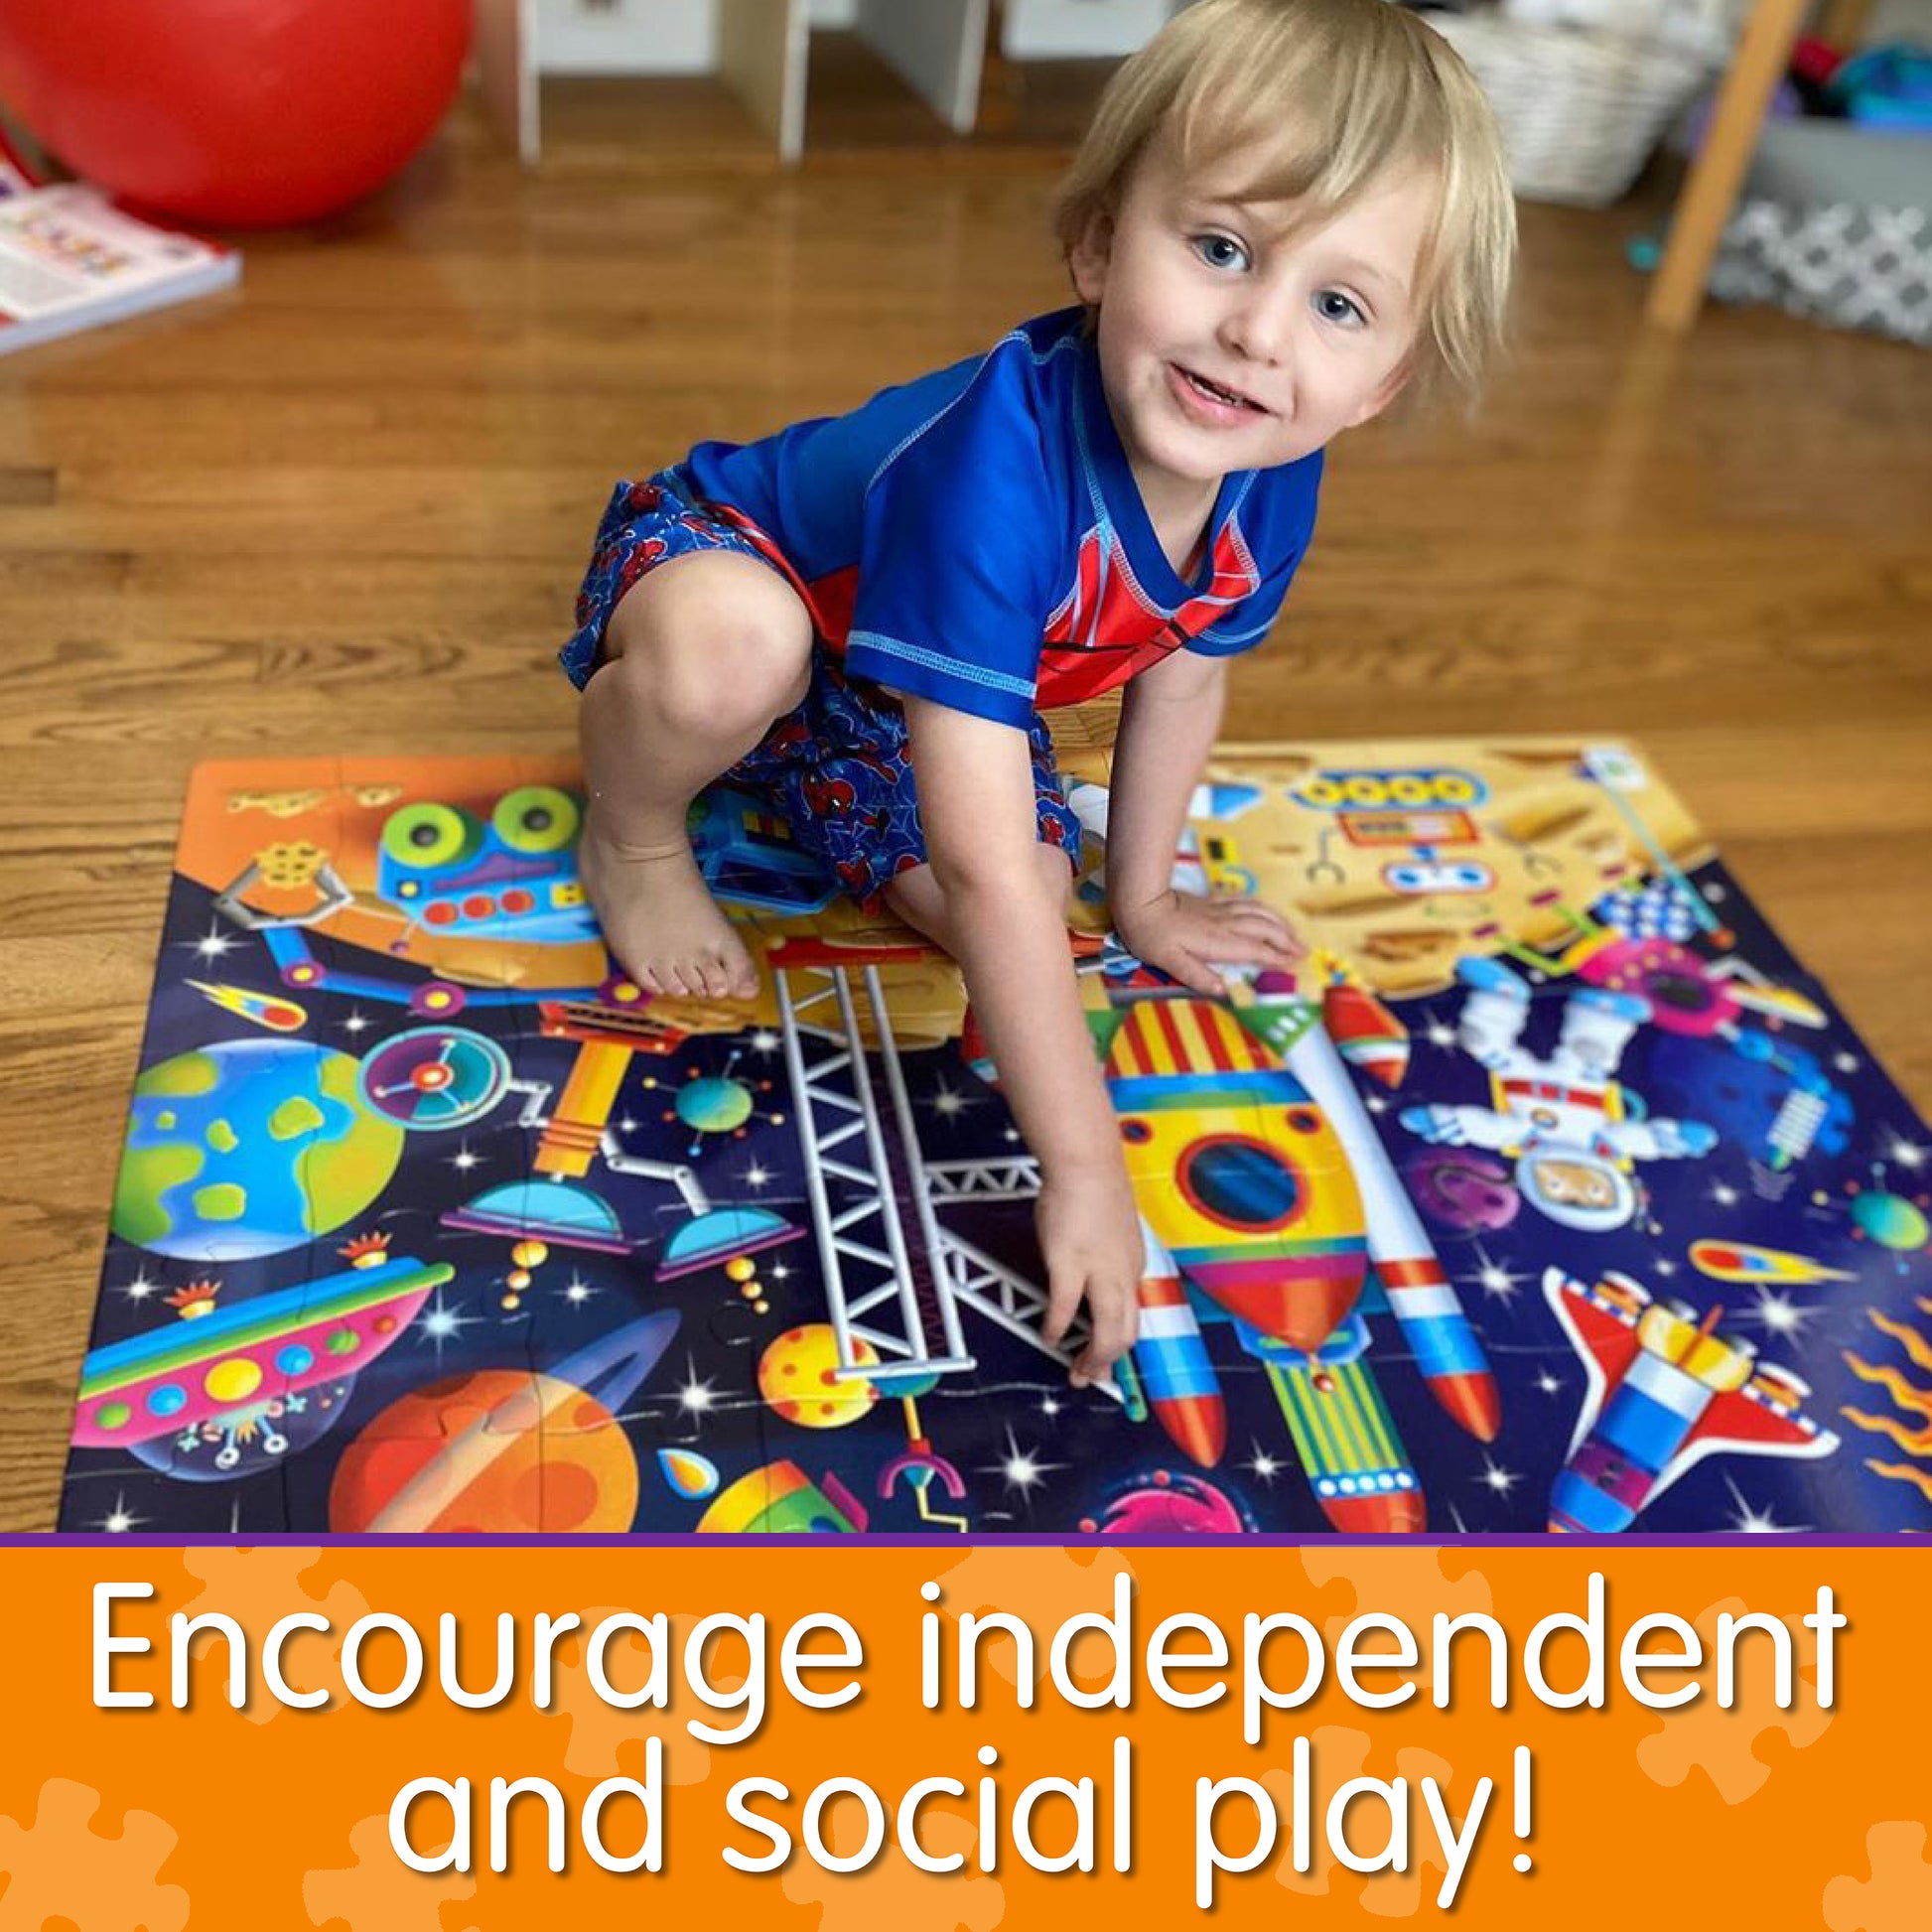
pixel 921 886
pixel 710 649
pixel 1055 867
pixel 918 899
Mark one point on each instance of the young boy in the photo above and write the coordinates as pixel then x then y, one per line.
pixel 1285 212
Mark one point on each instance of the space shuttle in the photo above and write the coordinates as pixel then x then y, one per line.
pixel 1665 1390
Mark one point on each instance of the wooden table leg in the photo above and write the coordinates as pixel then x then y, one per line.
pixel 1711 190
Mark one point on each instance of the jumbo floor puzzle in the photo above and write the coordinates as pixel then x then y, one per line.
pixel 1549 1193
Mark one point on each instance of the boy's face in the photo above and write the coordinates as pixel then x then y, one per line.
pixel 1227 343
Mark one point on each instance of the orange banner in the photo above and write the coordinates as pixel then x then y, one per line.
pixel 500 1737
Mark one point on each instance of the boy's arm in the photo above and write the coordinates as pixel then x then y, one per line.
pixel 1170 715
pixel 1008 930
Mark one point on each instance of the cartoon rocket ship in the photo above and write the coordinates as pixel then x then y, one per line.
pixel 1421 1296
pixel 1345 1437
pixel 1173 1361
pixel 1239 1174
pixel 1366 1033
pixel 1665 1390
pixel 1266 1199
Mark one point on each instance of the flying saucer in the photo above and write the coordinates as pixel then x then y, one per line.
pixel 177 1377
pixel 562 1211
pixel 720 1233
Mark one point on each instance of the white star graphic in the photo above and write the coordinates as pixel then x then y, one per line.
pixel 1496 1279
pixel 949 1102
pixel 695 1398
pixel 1021 1469
pixel 1905 1154
pixel 1776 1311
pixel 213 944
pixel 439 1322
pixel 1495 1477
pixel 1754 1522
pixel 119 1520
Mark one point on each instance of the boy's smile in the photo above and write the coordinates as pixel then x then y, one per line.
pixel 1229 340
pixel 1210 403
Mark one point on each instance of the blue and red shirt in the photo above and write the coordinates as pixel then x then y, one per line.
pixel 976 536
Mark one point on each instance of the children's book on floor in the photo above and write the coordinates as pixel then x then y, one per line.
pixel 70 259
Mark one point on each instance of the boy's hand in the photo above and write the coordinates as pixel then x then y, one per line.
pixel 1090 1237
pixel 1184 934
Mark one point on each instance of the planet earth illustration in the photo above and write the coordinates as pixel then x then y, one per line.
pixel 247 1148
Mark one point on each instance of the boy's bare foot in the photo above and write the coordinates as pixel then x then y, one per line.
pixel 660 921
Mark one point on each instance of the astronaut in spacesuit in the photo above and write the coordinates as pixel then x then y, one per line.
pixel 1572 1129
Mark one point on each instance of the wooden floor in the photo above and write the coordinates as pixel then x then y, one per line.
pixel 345 510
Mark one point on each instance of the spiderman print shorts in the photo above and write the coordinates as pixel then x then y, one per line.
pixel 836 768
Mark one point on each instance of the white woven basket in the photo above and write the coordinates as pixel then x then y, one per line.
pixel 1582 111
pixel 1706 28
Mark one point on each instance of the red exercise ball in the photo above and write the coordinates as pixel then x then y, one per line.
pixel 235 114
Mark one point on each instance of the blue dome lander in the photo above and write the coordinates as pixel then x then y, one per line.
pixel 573 1216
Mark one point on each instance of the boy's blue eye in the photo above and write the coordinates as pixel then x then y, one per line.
pixel 1221 251
pixel 1332 306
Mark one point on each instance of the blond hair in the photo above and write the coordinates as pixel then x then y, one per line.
pixel 1335 94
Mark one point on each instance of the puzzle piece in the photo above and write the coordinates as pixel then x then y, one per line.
pixel 61 1866
pixel 1898 1898
pixel 259 1584
pixel 892 1890
pixel 378 1893
pixel 1339 1754
pixel 1719 1743
pixel 1043 1592
pixel 1408 1584
pixel 608 1742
